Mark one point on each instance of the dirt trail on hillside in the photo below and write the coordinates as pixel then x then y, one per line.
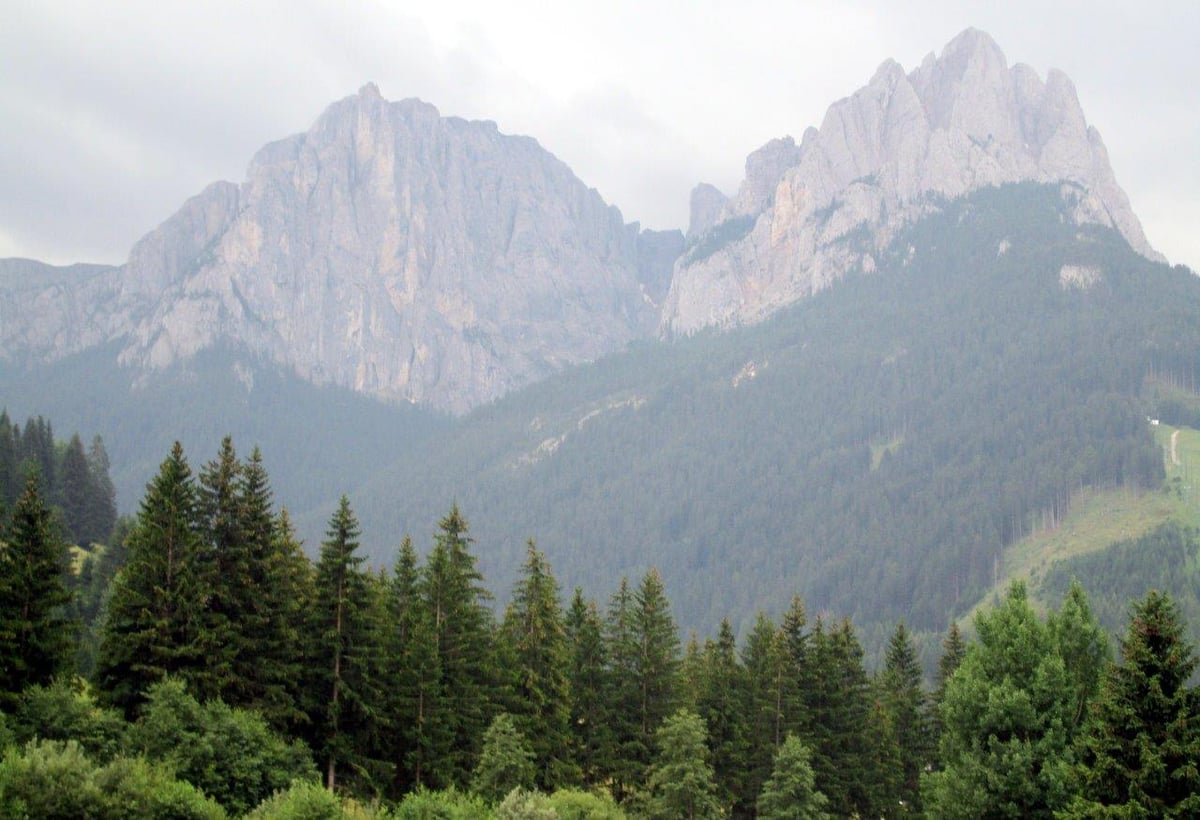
pixel 1175 448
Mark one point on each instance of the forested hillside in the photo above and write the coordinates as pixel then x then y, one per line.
pixel 874 448
pixel 235 677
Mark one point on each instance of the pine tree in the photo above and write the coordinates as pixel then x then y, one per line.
pixel 76 491
pixel 723 706
pixel 790 793
pixel 1083 645
pixel 533 626
pixel 954 648
pixel 799 673
pixel 589 684
pixel 632 751
pixel 1140 754
pixel 462 626
pixel 271 668
pixel 344 706
pixel 904 702
pixel 154 624
pixel 1006 717
pixel 10 485
pixel 506 761
pixel 656 662
pixel 839 704
pixel 227 568
pixel 415 678
pixel 767 682
pixel 101 511
pixel 34 634
pixel 680 782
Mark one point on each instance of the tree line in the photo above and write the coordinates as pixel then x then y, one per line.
pixel 230 667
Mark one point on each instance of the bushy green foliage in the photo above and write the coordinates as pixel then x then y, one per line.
pixel 572 804
pixel 52 779
pixel 522 804
pixel 450 804
pixel 303 800
pixel 67 710
pixel 230 754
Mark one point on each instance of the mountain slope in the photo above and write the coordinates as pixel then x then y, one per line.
pixel 389 250
pixel 874 448
pixel 881 159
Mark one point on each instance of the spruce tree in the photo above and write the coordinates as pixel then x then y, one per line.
pixel 506 761
pixel 680 781
pixel 953 650
pixel 791 792
pixel 589 684
pixel 101 514
pixel 344 655
pixel 463 638
pixel 414 678
pixel 1083 645
pixel 904 702
pixel 76 492
pixel 723 706
pixel 35 638
pixel 656 662
pixel 155 612
pixel 533 626
pixel 1140 754
pixel 631 749
pixel 767 681
pixel 10 485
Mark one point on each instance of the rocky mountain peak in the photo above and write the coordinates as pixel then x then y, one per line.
pixel 882 157
pixel 387 249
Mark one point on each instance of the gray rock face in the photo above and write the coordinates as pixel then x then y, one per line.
pixel 882 157
pixel 389 250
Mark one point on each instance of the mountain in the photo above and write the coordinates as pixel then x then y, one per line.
pixel 389 250
pixel 875 448
pixel 883 157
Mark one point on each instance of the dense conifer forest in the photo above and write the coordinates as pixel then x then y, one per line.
pixel 231 675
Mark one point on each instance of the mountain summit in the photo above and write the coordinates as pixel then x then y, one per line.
pixel 428 259
pixel 389 250
pixel 883 157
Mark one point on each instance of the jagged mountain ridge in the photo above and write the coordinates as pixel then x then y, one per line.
pixel 883 157
pixel 389 250
pixel 432 260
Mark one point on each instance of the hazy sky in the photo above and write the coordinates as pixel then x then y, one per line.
pixel 114 113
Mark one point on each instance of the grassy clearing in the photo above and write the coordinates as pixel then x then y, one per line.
pixel 1098 518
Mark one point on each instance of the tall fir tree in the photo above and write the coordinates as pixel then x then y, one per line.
pixel 343 657
pixel 954 648
pixel 1084 647
pixel 680 781
pixel 534 629
pixel 767 682
pixel 632 751
pixel 414 676
pixel 101 512
pixel 76 491
pixel 156 608
pixel 589 684
pixel 723 704
pixel 10 485
pixel 463 629
pixel 1140 754
pixel 902 699
pixel 791 793
pixel 35 638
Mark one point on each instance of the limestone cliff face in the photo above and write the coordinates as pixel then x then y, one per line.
pixel 883 157
pixel 390 250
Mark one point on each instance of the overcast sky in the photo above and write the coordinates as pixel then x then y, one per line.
pixel 114 113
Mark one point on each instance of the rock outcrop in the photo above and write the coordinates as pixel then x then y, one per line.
pixel 388 249
pixel 881 158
